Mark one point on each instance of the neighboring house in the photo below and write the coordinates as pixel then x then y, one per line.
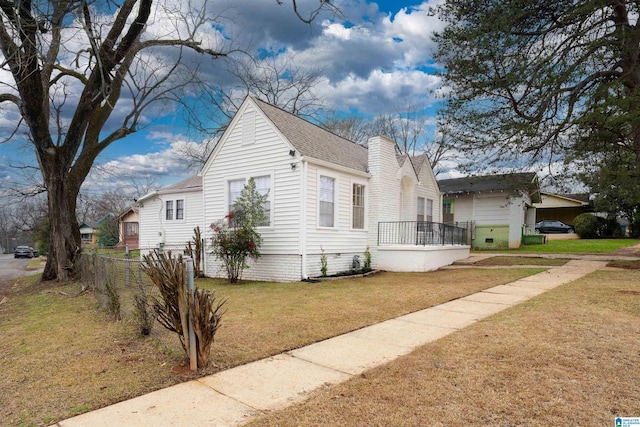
pixel 562 207
pixel 501 207
pixel 128 226
pixel 326 196
pixel 167 217
pixel 88 234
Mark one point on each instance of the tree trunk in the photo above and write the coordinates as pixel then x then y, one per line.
pixel 65 242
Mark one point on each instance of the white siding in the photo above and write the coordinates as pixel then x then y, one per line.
pixel 341 239
pixel 428 188
pixel 174 234
pixel 384 200
pixel 492 208
pixel 236 157
pixel 463 208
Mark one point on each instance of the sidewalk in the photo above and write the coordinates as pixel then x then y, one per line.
pixel 235 396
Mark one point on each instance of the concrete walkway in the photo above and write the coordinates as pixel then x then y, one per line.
pixel 235 396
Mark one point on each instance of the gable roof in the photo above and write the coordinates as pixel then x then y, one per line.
pixel 89 224
pixel 524 181
pixel 418 162
pixel 189 184
pixel 313 141
pixel 130 209
pixel 193 183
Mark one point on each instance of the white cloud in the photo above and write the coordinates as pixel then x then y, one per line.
pixel 380 91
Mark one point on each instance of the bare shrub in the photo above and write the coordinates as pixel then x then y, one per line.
pixel 170 277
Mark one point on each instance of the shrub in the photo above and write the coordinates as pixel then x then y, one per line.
pixel 235 237
pixel 367 260
pixel 194 250
pixel 586 226
pixel 323 264
pixel 170 277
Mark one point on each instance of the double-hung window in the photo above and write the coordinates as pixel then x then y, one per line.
pixel 235 188
pixel 169 210
pixel 263 186
pixel 429 216
pixel 420 216
pixel 327 201
pixel 357 221
pixel 180 209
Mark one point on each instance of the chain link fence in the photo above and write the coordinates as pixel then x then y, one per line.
pixel 125 291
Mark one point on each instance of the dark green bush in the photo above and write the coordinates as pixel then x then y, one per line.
pixel 586 226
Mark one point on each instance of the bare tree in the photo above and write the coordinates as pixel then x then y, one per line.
pixel 274 78
pixel 70 64
pixel 354 128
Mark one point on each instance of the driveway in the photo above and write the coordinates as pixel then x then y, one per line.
pixel 10 270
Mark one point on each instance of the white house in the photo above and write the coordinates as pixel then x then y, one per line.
pixel 167 217
pixel 326 195
pixel 500 207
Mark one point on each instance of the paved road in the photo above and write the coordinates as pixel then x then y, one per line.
pixel 10 269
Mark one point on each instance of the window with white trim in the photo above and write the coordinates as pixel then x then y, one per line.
pixel 180 209
pixel 357 220
pixel 263 186
pixel 420 216
pixel 327 201
pixel 235 188
pixel 169 210
pixel 429 216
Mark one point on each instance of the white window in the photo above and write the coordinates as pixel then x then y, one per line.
pixel 327 201
pixel 169 210
pixel 263 186
pixel 429 216
pixel 420 209
pixel 357 221
pixel 179 209
pixel 235 188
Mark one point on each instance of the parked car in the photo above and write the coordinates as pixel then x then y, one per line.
pixel 554 226
pixel 35 251
pixel 23 251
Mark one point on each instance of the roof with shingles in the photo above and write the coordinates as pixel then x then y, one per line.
pixel 191 183
pixel 525 181
pixel 313 141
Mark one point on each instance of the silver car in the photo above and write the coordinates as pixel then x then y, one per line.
pixel 23 252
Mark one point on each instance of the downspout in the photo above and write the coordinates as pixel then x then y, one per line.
pixel 303 221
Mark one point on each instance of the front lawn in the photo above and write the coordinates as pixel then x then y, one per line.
pixel 568 357
pixel 61 356
pixel 581 246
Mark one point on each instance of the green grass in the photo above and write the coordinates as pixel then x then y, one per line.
pixel 115 253
pixel 586 246
pixel 521 260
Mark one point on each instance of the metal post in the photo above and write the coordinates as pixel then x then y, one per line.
pixel 193 357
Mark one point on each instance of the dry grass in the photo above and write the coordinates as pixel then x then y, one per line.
pixel 633 264
pixel 521 260
pixel 567 357
pixel 266 319
pixel 62 356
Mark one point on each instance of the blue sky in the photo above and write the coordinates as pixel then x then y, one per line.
pixel 374 60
